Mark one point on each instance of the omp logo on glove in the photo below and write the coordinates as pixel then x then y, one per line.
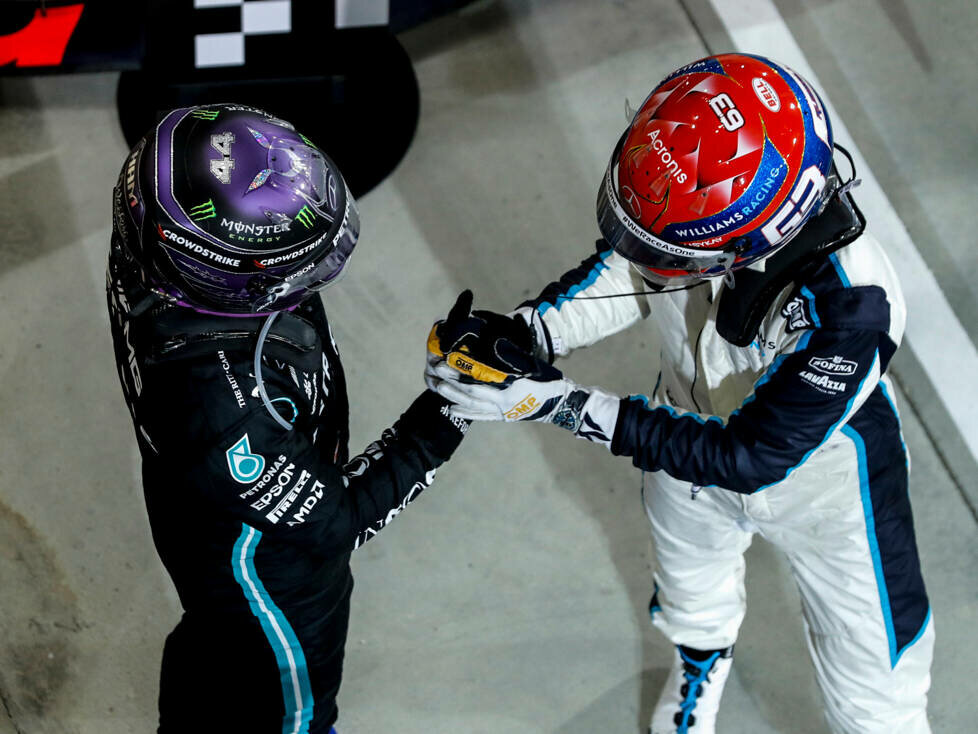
pixel 474 369
pixel 462 360
pixel 523 408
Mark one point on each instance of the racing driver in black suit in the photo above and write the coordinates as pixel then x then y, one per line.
pixel 226 221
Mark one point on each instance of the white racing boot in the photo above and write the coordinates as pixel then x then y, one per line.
pixel 690 698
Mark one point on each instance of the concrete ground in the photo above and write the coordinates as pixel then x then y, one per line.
pixel 511 598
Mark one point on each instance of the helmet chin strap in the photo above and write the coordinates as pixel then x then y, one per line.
pixel 636 293
pixel 727 274
pixel 273 293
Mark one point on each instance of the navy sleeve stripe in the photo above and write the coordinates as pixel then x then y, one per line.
pixel 797 404
pixel 801 346
pixel 886 508
pixel 644 400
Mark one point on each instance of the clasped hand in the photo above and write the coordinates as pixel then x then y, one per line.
pixel 483 362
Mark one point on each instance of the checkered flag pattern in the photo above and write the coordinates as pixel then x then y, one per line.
pixel 259 17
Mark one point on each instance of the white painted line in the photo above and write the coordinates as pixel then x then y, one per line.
pixel 940 343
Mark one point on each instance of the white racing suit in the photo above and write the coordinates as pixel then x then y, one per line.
pixel 795 437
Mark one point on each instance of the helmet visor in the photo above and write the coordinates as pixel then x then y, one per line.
pixel 668 280
pixel 307 172
pixel 635 243
pixel 320 273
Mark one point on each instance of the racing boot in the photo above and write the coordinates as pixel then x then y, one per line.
pixel 690 699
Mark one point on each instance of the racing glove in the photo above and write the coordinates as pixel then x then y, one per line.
pixel 531 390
pixel 469 342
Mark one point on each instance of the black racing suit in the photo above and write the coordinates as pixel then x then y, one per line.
pixel 255 523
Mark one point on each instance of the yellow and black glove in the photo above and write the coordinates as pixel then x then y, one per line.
pixel 473 343
pixel 484 363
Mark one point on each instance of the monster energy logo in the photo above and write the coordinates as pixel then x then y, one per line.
pixel 205 114
pixel 304 217
pixel 203 211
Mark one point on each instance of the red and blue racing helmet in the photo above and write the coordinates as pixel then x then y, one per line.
pixel 723 163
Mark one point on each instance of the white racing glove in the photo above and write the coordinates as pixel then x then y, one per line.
pixel 532 391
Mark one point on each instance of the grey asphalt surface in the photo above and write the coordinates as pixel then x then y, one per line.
pixel 512 596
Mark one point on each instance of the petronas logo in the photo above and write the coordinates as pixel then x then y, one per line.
pixel 245 466
pixel 305 216
pixel 203 211
pixel 205 114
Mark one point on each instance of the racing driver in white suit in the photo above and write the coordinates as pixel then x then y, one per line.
pixel 724 219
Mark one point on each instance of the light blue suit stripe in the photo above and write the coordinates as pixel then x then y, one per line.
pixel 801 346
pixel 886 394
pixel 589 279
pixel 296 687
pixel 653 608
pixel 906 454
pixel 874 548
pixel 638 398
pixel 811 304
pixel 839 270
